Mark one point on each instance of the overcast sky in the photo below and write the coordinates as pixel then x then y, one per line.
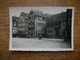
pixel 15 11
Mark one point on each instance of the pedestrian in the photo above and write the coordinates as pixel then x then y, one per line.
pixel 40 37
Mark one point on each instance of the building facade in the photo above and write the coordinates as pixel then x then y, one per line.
pixel 68 25
pixel 15 26
pixel 59 25
pixel 55 25
pixel 30 25
pixel 23 25
pixel 38 23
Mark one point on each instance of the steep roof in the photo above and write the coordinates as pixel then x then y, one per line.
pixel 24 14
pixel 57 17
pixel 15 18
pixel 36 12
pixel 48 15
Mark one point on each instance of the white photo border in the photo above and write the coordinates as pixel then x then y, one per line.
pixel 37 49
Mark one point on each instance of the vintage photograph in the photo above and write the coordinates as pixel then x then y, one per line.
pixel 41 28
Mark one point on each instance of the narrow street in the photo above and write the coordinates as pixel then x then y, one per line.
pixel 41 44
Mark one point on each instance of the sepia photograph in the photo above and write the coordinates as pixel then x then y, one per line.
pixel 41 28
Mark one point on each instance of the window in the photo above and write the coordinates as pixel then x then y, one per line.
pixel 14 24
pixel 23 20
pixel 23 28
pixel 29 17
pixel 42 29
pixel 36 18
pixel 64 23
pixel 23 24
pixel 19 25
pixel 69 22
pixel 31 34
pixel 40 18
pixel 30 28
pixel 36 28
pixel 50 25
pixel 26 17
pixel 21 16
pixel 54 19
pixel 31 23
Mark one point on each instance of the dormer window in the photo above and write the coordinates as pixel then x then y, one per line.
pixel 21 16
pixel 31 12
